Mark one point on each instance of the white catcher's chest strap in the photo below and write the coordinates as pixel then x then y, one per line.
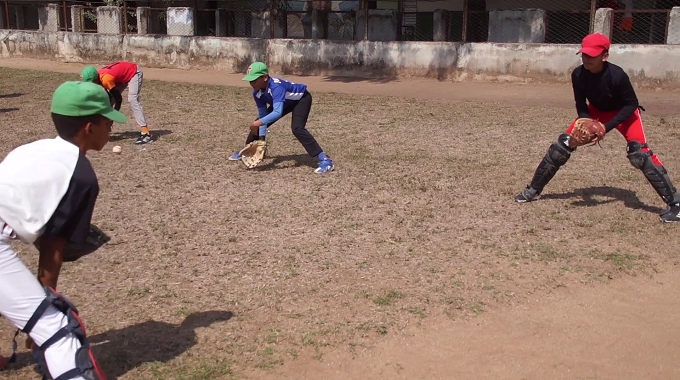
pixel 7 230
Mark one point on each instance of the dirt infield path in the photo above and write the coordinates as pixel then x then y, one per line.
pixel 518 94
pixel 624 329
pixel 627 329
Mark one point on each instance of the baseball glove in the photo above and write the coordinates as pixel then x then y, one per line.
pixel 586 131
pixel 253 153
pixel 73 251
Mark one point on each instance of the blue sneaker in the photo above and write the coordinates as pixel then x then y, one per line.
pixel 325 165
pixel 236 156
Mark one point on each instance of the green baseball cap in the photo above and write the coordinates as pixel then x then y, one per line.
pixel 89 73
pixel 76 98
pixel 256 70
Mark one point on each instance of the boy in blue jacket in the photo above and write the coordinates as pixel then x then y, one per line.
pixel 276 98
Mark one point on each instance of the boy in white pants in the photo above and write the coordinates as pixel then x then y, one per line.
pixel 48 190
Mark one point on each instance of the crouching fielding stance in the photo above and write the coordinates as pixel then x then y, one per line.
pixel 275 98
pixel 115 78
pixel 612 101
pixel 48 190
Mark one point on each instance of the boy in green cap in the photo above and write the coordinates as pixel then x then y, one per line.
pixel 115 78
pixel 48 190
pixel 276 98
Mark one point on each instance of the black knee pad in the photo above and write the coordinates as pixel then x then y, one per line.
pixel 637 157
pixel 86 365
pixel 560 151
pixel 655 174
pixel 557 155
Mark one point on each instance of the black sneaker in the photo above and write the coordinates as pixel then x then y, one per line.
pixel 143 139
pixel 529 194
pixel 671 214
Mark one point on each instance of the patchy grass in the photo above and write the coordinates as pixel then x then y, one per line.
pixel 214 271
pixel 622 261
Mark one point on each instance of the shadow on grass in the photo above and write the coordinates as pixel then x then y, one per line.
pixel 355 79
pixel 299 159
pixel 134 135
pixel 122 350
pixel 12 95
pixel 586 198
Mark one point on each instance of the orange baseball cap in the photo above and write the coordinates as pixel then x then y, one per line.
pixel 594 44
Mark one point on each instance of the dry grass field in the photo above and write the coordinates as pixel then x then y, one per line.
pixel 217 272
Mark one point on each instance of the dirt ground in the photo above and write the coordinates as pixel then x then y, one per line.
pixel 409 261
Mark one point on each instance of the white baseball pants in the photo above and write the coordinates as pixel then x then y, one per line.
pixel 20 295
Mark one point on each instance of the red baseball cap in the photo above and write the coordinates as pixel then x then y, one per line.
pixel 594 44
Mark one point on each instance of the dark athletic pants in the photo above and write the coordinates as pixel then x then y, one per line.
pixel 298 125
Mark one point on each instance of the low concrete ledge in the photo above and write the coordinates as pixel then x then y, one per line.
pixel 657 65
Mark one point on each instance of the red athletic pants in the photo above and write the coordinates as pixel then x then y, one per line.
pixel 631 129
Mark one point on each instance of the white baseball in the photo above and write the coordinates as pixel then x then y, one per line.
pixel 117 149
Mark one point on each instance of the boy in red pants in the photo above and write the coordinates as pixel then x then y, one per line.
pixel 603 91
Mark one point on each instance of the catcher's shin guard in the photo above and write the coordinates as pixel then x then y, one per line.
pixel 655 174
pixel 86 366
pixel 558 154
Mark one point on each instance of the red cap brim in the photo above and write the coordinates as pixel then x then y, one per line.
pixel 591 51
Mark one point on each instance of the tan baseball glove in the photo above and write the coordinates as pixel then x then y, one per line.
pixel 253 153
pixel 586 131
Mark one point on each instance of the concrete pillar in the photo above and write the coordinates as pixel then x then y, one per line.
pixel 109 20
pixel 603 22
pixel 180 21
pixel 673 37
pixel 19 17
pixel 439 25
pixel 221 22
pixel 517 26
pixel 143 20
pixel 382 25
pixel 48 18
pixel 260 24
pixel 313 24
pixel 77 20
pixel 319 19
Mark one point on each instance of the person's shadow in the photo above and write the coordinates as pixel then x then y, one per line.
pixel 12 95
pixel 120 351
pixel 299 159
pixel 127 135
pixel 613 194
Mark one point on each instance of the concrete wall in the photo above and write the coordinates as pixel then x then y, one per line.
pixel 657 65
